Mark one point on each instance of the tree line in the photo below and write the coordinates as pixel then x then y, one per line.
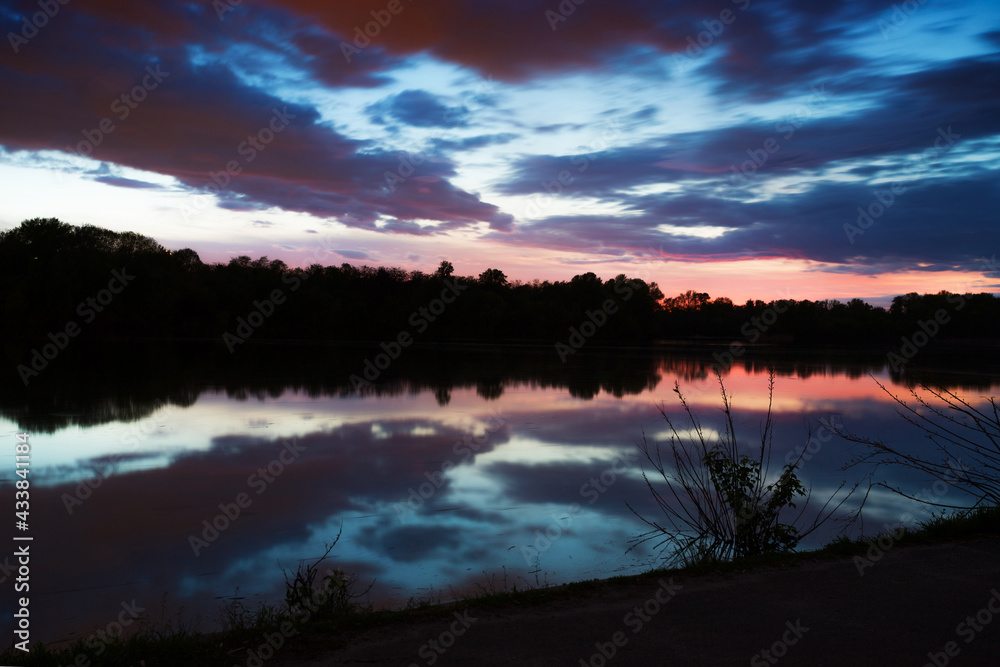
pixel 58 279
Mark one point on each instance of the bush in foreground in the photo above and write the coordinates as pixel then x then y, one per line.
pixel 719 499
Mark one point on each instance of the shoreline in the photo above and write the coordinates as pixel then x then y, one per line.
pixel 727 615
pixel 952 562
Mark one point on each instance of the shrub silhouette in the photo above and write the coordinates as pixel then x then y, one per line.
pixel 718 501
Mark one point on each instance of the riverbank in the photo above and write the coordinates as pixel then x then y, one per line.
pixel 913 602
pixel 890 600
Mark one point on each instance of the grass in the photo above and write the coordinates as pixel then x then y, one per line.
pixel 247 629
pixel 981 521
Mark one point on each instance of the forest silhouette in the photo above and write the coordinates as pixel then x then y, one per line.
pixel 59 280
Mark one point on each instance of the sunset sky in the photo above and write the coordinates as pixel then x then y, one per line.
pixel 743 148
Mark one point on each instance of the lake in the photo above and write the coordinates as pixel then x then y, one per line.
pixel 171 479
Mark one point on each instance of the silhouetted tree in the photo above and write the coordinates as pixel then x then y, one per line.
pixel 492 278
pixel 48 268
pixel 445 269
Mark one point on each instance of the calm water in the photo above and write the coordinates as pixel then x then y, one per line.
pixel 443 475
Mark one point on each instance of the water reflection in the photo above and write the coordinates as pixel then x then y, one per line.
pixel 202 474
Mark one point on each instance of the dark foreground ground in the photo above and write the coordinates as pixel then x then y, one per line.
pixel 913 606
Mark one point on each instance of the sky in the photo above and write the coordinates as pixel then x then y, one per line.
pixel 744 148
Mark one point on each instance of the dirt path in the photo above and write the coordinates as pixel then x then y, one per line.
pixel 910 603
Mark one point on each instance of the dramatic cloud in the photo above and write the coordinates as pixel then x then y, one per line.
pixel 793 187
pixel 753 130
pixel 158 111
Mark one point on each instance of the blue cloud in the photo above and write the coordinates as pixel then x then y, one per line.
pixel 419 109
